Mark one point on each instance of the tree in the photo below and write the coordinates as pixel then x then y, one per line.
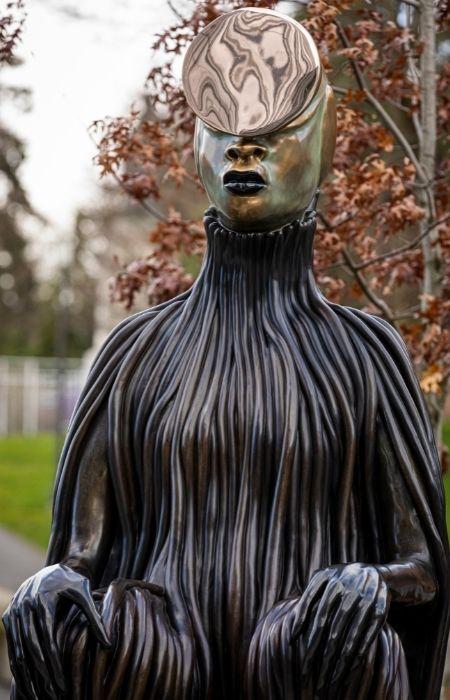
pixel 384 232
pixel 35 314
pixel 17 277
pixel 12 20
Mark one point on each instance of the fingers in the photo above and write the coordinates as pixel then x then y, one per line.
pixel 314 589
pixel 339 654
pixel 79 663
pixel 32 633
pixel 31 643
pixel 20 668
pixel 333 646
pixel 45 625
pixel 313 634
pixel 380 616
pixel 122 651
pixel 346 607
pixel 140 667
pixel 128 583
pixel 363 629
pixel 6 618
pixel 82 596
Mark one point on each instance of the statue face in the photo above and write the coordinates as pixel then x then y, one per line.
pixel 263 182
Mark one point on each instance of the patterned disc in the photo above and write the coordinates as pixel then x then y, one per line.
pixel 251 71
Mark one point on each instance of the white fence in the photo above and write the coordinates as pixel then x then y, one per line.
pixel 38 394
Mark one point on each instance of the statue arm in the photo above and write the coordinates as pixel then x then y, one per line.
pixel 31 619
pixel 88 527
pixel 350 602
pixel 409 573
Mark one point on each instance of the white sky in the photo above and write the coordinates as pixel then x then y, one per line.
pixel 83 60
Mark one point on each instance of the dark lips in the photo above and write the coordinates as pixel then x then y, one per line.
pixel 243 183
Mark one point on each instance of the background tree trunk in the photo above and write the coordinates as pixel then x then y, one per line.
pixel 432 279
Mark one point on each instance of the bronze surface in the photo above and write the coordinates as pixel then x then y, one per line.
pixel 249 502
pixel 251 490
pixel 291 163
pixel 251 71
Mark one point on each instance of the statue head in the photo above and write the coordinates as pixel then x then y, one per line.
pixel 265 127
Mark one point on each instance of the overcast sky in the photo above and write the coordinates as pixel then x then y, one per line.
pixel 83 60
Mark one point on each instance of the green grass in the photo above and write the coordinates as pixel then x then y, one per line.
pixel 26 480
pixel 27 468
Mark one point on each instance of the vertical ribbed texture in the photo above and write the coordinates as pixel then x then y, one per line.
pixel 242 423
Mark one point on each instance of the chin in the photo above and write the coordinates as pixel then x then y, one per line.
pixel 246 213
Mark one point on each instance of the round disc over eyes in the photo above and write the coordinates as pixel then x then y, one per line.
pixel 251 72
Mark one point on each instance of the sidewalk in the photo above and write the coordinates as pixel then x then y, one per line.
pixel 18 561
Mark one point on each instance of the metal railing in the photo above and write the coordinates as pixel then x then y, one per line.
pixel 38 394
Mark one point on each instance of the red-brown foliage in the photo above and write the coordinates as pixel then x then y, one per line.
pixel 12 20
pixel 372 220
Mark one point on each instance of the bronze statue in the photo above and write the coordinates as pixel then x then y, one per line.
pixel 249 501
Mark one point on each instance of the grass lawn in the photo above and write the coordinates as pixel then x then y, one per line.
pixel 26 479
pixel 27 468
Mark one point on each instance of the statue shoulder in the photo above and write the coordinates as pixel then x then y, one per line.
pixel 379 335
pixel 130 330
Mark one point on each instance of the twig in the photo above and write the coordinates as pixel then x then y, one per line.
pixel 407 313
pixel 177 14
pixel 390 123
pixel 411 3
pixel 397 105
pixel 360 279
pixel 383 256
pixel 405 248
pixel 144 204
pixel 376 301
pixel 149 208
pixel 340 90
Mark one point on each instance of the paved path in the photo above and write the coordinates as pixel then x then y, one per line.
pixel 18 561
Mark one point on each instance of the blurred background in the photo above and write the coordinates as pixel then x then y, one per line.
pixel 74 247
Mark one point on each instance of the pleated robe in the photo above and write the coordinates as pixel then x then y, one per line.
pixel 252 431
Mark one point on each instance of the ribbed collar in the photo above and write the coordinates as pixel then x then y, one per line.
pixel 284 254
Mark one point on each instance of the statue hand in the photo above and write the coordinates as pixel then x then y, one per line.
pixel 115 594
pixel 341 612
pixel 30 627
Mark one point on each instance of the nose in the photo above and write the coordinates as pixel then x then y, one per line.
pixel 245 151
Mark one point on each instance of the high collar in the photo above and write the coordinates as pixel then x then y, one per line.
pixel 283 255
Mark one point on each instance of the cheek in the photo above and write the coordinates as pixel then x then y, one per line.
pixel 297 164
pixel 210 160
pixel 296 159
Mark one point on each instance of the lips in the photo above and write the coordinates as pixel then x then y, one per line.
pixel 243 183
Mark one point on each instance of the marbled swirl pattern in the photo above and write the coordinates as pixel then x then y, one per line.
pixel 250 72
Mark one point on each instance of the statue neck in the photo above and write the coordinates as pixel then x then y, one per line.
pixel 258 262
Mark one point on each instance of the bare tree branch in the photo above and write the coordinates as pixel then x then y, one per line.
pixel 376 104
pixel 340 90
pixel 405 248
pixel 380 304
pixel 364 285
pixel 383 256
pixel 407 313
pixel 177 14
pixel 411 3
pixel 144 204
